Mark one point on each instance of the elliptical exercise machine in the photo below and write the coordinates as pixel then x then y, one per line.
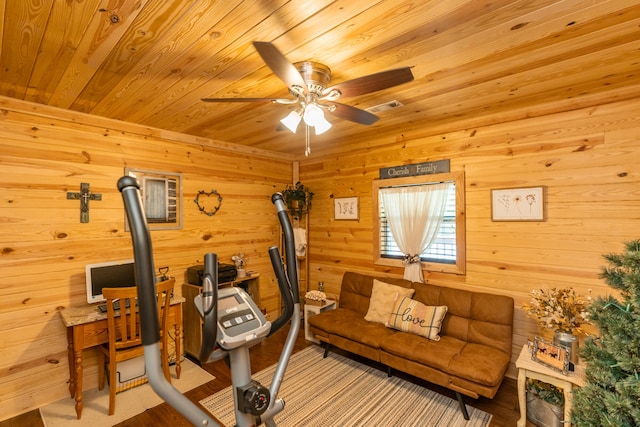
pixel 232 322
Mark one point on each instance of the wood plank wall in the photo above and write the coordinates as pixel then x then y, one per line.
pixel 588 160
pixel 46 152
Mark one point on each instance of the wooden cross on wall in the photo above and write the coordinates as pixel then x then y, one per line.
pixel 84 195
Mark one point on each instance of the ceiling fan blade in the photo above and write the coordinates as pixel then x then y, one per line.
pixel 274 100
pixel 280 65
pixel 372 82
pixel 353 114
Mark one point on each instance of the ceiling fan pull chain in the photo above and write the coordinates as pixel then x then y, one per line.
pixel 307 149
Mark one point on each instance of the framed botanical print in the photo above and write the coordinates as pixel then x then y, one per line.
pixel 346 208
pixel 517 204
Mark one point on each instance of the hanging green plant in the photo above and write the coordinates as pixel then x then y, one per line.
pixel 297 198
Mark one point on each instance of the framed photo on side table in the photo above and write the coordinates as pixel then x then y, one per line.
pixel 550 354
pixel 345 208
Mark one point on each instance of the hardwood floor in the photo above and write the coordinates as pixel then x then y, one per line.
pixel 504 407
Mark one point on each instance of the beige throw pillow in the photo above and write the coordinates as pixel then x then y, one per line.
pixel 414 317
pixel 383 297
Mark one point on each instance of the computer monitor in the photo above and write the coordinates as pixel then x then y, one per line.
pixel 111 274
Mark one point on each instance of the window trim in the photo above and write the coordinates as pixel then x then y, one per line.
pixel 458 177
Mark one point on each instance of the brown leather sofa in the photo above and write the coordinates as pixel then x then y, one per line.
pixel 473 352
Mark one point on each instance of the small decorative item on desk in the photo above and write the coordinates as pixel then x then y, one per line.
pixel 240 261
pixel 562 311
pixel 315 298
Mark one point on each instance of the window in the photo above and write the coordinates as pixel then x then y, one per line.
pixel 161 194
pixel 447 253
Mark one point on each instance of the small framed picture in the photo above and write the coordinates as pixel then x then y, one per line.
pixel 550 354
pixel 517 204
pixel 345 208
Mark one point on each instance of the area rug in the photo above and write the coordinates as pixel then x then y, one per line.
pixel 95 412
pixel 338 391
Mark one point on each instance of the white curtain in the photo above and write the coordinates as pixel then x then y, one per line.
pixel 415 214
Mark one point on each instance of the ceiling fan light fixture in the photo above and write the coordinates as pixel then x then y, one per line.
pixel 322 126
pixel 314 116
pixel 292 121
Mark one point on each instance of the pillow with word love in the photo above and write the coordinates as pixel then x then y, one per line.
pixel 412 316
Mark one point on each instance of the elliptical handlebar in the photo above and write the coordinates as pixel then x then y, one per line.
pixel 209 307
pixel 149 322
pixel 144 268
pixel 287 281
pixel 289 245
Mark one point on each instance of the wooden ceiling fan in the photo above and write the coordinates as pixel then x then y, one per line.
pixel 308 83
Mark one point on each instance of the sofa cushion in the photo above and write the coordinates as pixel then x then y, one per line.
pixel 417 318
pixel 383 296
pixel 356 288
pixel 348 324
pixel 476 317
pixel 481 364
pixel 436 354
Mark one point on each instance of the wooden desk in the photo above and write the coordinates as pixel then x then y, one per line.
pixel 528 368
pixel 87 327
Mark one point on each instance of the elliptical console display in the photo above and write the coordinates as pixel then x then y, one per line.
pixel 240 321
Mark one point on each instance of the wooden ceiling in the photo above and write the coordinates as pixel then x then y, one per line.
pixel 474 61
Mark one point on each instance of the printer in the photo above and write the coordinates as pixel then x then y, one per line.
pixel 226 273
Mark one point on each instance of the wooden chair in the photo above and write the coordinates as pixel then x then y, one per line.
pixel 125 340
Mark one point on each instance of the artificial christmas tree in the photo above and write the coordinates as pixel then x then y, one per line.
pixel 612 394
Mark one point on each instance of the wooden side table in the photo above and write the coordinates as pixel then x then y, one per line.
pixel 527 368
pixel 312 310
